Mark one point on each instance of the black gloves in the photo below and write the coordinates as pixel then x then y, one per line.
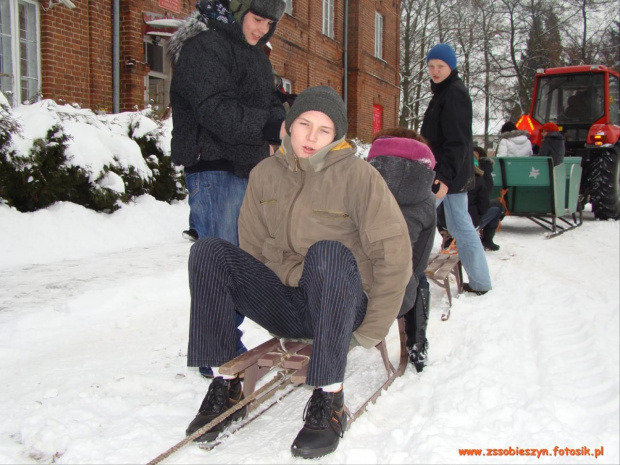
pixel 271 131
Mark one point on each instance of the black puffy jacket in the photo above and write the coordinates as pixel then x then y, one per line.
pixel 222 95
pixel 447 126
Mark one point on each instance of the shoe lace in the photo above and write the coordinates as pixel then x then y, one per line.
pixel 318 412
pixel 216 396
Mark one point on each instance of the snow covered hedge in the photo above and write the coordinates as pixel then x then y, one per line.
pixel 51 153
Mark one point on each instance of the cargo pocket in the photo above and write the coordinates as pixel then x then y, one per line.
pixel 383 241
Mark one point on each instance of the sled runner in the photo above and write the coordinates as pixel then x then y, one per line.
pixel 286 361
pixel 439 269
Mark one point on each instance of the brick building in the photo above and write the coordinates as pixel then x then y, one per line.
pixel 67 51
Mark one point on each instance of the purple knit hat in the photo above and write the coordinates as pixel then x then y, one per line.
pixel 402 147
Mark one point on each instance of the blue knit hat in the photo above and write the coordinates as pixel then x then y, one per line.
pixel 444 53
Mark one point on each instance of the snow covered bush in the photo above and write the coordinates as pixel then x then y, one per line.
pixel 51 153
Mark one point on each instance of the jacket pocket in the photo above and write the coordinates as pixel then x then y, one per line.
pixel 384 232
pixel 269 208
pixel 330 214
pixel 384 242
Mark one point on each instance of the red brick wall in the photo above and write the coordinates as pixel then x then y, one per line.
pixel 302 54
pixel 69 51
pixel 76 52
pixel 76 49
pixel 373 80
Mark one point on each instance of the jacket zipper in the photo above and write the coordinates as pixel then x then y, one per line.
pixel 289 228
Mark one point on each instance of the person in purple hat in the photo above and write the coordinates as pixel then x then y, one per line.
pixel 406 163
pixel 447 126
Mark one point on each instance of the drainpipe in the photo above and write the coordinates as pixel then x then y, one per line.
pixel 345 55
pixel 116 58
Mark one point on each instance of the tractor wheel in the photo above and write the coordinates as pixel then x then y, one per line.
pixel 604 184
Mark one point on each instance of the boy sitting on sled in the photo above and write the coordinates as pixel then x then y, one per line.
pixel 325 254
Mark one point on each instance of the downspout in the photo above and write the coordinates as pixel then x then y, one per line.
pixel 345 55
pixel 116 57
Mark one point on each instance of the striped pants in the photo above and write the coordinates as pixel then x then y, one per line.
pixel 328 305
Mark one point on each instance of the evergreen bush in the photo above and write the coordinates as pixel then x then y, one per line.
pixel 44 175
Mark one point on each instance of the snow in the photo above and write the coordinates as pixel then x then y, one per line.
pixel 94 317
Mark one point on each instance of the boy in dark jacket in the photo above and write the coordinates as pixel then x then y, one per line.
pixel 447 126
pixel 225 109
pixel 552 144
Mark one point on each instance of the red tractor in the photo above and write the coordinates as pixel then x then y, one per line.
pixel 584 102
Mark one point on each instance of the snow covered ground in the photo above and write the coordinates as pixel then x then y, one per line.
pixel 93 338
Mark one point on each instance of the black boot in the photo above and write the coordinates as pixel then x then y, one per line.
pixel 222 395
pixel 487 240
pixel 416 321
pixel 190 235
pixel 325 424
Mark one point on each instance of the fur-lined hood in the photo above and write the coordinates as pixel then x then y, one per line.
pixel 513 134
pixel 198 22
pixel 192 26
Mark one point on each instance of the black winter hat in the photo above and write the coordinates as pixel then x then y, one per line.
pixel 323 99
pixel 507 127
pixel 271 9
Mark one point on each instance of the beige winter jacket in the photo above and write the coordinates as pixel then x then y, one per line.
pixel 292 203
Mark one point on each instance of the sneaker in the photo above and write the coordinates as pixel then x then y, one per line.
pixel 325 423
pixel 491 246
pixel 222 395
pixel 468 288
pixel 418 356
pixel 190 235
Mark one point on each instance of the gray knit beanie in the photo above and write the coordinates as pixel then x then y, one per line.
pixel 270 9
pixel 323 99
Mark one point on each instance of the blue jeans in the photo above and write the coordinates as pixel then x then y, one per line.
pixel 471 251
pixel 215 199
pixel 491 218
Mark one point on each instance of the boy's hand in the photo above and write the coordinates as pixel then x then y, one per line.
pixel 440 189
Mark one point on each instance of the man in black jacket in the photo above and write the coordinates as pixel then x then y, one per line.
pixel 225 109
pixel 447 126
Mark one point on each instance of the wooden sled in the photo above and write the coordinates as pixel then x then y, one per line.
pixel 440 267
pixel 287 361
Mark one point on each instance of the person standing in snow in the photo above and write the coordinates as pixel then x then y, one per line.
pixel 225 109
pixel 325 254
pixel 485 213
pixel 552 144
pixel 513 142
pixel 447 126
pixel 406 163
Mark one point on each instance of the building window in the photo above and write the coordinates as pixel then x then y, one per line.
pixel 378 35
pixel 328 18
pixel 288 87
pixel 19 50
pixel 158 79
pixel 289 7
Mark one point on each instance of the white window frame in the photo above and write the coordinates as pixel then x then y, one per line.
pixel 287 85
pixel 15 96
pixel 289 7
pixel 328 18
pixel 379 35
pixel 166 75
